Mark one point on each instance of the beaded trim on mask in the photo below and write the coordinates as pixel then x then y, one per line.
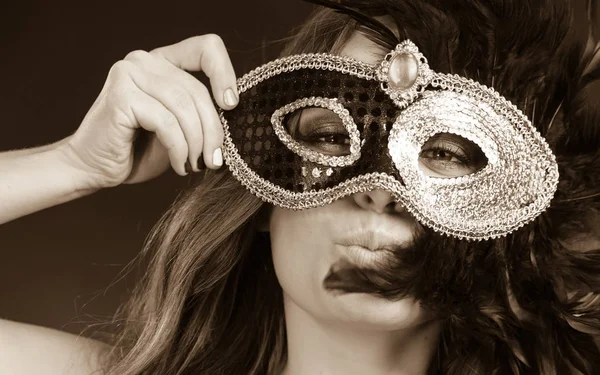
pixel 448 205
pixel 323 61
pixel 307 153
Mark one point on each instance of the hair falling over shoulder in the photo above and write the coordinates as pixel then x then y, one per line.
pixel 204 282
pixel 210 302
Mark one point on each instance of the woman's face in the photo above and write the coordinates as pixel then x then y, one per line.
pixel 309 245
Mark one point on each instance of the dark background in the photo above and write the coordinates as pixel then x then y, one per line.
pixel 60 267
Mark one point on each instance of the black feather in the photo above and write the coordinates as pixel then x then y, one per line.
pixel 530 302
pixel 372 28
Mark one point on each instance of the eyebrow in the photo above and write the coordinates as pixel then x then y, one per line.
pixel 314 115
pixel 319 115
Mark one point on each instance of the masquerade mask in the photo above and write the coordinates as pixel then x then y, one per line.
pixel 312 128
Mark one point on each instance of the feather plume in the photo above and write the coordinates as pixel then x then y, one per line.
pixel 373 29
pixel 530 300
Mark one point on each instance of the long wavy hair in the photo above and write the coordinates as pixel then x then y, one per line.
pixel 209 302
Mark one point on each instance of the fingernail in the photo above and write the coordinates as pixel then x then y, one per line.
pixel 188 167
pixel 201 164
pixel 230 97
pixel 218 157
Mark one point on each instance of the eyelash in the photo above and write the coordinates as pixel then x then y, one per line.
pixel 319 135
pixel 453 151
pixel 322 136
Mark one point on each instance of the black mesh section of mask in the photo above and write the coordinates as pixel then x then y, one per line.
pixel 252 133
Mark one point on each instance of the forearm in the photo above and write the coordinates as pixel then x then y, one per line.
pixel 6 155
pixel 33 181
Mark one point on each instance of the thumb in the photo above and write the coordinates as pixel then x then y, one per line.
pixel 206 53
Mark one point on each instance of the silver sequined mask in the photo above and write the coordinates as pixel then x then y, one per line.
pixel 312 128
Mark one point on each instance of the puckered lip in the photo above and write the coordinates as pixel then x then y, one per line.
pixel 378 239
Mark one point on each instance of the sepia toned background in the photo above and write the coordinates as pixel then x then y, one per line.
pixel 61 267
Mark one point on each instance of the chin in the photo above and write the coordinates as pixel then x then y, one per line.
pixel 375 312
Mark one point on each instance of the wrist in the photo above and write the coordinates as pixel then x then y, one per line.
pixel 81 181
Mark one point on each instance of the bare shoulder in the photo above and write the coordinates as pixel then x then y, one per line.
pixel 27 349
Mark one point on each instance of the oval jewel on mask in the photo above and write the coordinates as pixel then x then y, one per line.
pixel 403 71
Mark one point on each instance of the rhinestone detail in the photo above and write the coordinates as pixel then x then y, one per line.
pixel 403 71
pixel 402 96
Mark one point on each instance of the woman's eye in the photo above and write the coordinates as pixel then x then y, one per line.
pixel 441 154
pixel 338 139
pixel 450 155
pixel 334 144
pixel 319 129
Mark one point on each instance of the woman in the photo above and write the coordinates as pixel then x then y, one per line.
pixel 370 280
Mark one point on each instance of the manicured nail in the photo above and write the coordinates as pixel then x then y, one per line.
pixel 230 97
pixel 218 157
pixel 201 164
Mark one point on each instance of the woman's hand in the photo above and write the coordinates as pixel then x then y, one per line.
pixel 151 91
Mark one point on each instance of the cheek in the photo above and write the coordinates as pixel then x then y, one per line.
pixel 302 253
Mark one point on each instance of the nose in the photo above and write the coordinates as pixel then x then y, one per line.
pixel 377 200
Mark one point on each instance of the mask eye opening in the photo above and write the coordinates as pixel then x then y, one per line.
pixel 449 154
pixel 287 131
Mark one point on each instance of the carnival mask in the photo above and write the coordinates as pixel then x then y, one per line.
pixel 312 128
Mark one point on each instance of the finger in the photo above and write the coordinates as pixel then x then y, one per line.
pixel 209 139
pixel 206 53
pixel 212 129
pixel 178 100
pixel 213 132
pixel 153 116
